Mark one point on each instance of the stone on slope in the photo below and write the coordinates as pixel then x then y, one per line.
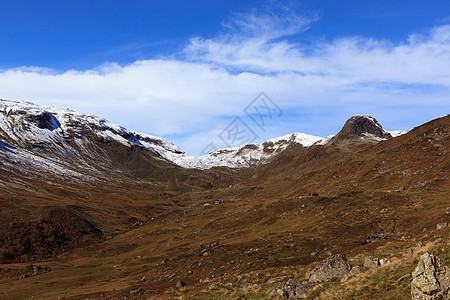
pixel 371 262
pixel 294 289
pixel 335 266
pixel 431 279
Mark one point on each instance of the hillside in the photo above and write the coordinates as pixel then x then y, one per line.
pixel 110 218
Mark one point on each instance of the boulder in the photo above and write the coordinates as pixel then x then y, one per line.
pixel 371 262
pixel 441 226
pixel 180 284
pixel 431 279
pixel 335 266
pixel 294 289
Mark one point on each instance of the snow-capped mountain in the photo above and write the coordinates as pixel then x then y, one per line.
pixel 248 155
pixel 59 140
pixel 38 140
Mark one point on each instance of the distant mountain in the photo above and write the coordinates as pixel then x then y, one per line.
pixel 73 144
pixel 363 126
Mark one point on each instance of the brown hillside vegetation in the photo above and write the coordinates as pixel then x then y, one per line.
pixel 137 233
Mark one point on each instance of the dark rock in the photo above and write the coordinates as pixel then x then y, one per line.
pixel 180 284
pixel 294 289
pixel 431 279
pixel 44 120
pixel 335 266
pixel 359 125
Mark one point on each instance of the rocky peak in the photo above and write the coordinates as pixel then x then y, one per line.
pixel 362 125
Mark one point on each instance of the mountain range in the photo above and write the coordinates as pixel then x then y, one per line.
pixel 70 137
pixel 89 209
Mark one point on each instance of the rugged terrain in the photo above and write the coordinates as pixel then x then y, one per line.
pixel 92 210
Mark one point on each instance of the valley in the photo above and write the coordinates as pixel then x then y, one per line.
pixel 90 210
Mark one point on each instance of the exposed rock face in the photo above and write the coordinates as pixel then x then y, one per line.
pixel 43 120
pixel 335 266
pixel 363 124
pixel 294 289
pixel 431 279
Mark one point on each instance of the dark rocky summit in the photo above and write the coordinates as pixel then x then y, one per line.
pixel 364 124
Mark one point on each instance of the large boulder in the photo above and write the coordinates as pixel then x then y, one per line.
pixel 431 279
pixel 335 266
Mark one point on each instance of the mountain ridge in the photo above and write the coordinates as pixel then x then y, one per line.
pixel 25 124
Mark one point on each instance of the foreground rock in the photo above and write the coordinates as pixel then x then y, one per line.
pixel 431 279
pixel 294 289
pixel 335 266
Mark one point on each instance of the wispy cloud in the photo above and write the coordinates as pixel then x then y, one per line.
pixel 192 98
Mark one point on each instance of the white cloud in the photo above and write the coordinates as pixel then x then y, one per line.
pixel 192 99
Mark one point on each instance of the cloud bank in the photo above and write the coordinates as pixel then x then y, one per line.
pixel 191 98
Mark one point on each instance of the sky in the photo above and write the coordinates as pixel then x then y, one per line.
pixel 190 71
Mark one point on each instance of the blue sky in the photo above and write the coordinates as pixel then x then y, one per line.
pixel 185 69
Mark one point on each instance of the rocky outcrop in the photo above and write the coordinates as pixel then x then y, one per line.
pixel 431 279
pixel 335 266
pixel 360 125
pixel 43 120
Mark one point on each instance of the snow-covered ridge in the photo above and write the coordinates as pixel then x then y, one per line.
pixel 396 133
pixel 23 124
pixel 249 155
pixel 27 122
